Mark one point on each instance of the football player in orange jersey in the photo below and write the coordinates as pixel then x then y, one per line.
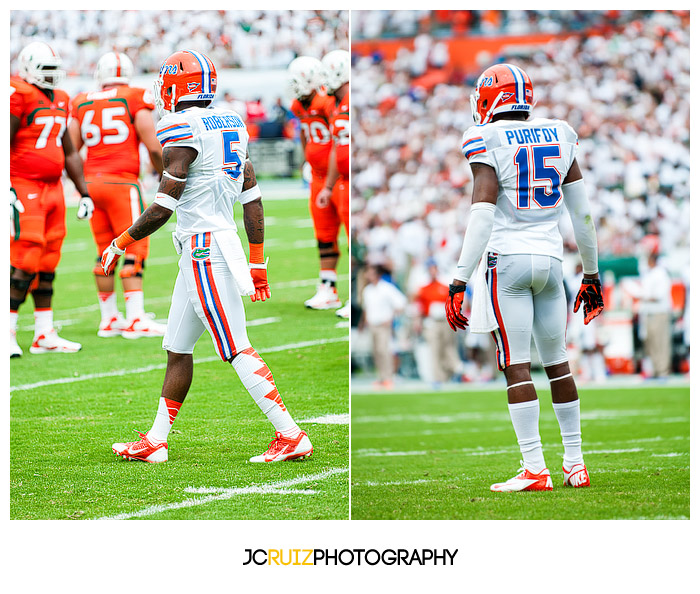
pixel 312 106
pixel 111 123
pixel 39 151
pixel 336 189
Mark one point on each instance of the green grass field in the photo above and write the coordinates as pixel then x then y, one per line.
pixel 434 456
pixel 67 410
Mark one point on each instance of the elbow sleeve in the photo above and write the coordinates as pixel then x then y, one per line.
pixel 576 201
pixel 475 239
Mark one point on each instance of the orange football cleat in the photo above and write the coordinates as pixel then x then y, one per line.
pixel 577 476
pixel 284 448
pixel 143 450
pixel 525 481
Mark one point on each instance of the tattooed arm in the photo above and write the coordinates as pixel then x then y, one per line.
pixel 253 211
pixel 254 222
pixel 176 164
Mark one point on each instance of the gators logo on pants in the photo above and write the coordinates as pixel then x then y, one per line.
pixel 201 253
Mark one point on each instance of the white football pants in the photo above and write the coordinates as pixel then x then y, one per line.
pixel 205 297
pixel 527 294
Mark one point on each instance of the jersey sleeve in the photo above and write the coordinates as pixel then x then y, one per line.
pixel 295 108
pixel 474 146
pixel 16 101
pixel 175 130
pixel 572 140
pixel 141 99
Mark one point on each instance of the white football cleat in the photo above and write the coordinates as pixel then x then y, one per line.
pixel 285 448
pixel 326 297
pixel 51 342
pixel 525 481
pixel 15 349
pixel 344 312
pixel 577 476
pixel 143 450
pixel 112 326
pixel 145 326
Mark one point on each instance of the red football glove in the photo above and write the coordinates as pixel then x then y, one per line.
pixel 262 287
pixel 453 308
pixel 591 295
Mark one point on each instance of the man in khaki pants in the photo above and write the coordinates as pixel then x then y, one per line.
pixel 655 310
pixel 381 302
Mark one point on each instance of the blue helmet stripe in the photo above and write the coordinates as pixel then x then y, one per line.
pixel 206 71
pixel 519 83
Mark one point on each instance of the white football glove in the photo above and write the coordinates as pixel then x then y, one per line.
pixel 110 257
pixel 85 208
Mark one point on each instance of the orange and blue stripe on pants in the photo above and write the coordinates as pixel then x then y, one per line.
pixel 209 296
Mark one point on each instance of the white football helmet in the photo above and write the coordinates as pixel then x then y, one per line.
pixel 337 67
pixel 305 75
pixel 39 65
pixel 114 68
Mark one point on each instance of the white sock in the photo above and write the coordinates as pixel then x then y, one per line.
pixel 257 379
pixel 569 417
pixel 13 321
pixel 43 321
pixel 165 416
pixel 328 276
pixel 525 417
pixel 108 304
pixel 134 304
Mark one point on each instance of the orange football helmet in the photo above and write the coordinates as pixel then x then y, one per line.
pixel 184 76
pixel 501 88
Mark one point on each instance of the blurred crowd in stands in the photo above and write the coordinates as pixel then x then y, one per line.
pixel 622 82
pixel 245 39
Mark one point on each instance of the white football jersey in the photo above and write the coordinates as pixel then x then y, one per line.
pixel 531 159
pixel 215 177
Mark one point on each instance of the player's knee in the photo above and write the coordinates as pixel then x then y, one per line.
pixel 133 267
pixel 44 287
pixel 20 281
pixel 519 372
pixel 328 249
pixel 557 369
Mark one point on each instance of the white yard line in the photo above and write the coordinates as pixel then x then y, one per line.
pixel 343 419
pixel 223 493
pixel 147 368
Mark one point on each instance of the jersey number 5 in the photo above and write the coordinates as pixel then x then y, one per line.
pixel 538 181
pixel 232 162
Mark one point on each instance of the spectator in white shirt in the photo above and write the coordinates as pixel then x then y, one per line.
pixel 381 302
pixel 655 310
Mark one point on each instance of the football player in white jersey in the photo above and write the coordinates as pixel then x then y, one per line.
pixel 525 171
pixel 206 171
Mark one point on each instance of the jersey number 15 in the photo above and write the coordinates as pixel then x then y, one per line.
pixel 537 180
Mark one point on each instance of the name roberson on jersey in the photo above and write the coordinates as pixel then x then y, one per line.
pixel 531 159
pixel 215 177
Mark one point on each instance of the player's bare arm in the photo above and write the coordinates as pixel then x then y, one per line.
pixel 75 136
pixel 74 169
pixel 14 126
pixel 143 123
pixel 254 223
pixel 176 163
pixel 323 198
pixel 74 164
